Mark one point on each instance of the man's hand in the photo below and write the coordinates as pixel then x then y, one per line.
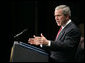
pixel 44 40
pixel 34 41
pixel 38 40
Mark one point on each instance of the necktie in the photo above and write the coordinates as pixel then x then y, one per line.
pixel 58 32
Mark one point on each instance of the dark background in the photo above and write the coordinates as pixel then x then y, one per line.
pixel 36 16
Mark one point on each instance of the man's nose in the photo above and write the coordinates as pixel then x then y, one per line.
pixel 56 18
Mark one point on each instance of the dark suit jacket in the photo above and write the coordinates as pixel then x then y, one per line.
pixel 64 48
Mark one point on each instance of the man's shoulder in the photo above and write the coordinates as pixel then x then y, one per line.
pixel 72 27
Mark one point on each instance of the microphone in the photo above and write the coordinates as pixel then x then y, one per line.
pixel 17 35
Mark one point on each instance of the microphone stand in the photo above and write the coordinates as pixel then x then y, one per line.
pixel 19 34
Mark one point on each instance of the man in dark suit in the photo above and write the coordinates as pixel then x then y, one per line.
pixel 64 47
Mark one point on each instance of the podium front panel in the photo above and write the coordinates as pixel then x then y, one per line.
pixel 26 53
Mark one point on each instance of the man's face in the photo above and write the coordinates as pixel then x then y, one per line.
pixel 60 17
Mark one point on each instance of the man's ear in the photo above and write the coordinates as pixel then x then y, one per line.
pixel 67 17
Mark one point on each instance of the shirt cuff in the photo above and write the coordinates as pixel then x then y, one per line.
pixel 41 45
pixel 49 43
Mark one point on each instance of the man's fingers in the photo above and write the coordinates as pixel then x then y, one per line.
pixel 42 35
pixel 34 36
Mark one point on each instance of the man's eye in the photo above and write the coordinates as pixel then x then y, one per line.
pixel 58 15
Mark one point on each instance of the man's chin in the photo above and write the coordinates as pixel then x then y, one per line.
pixel 58 24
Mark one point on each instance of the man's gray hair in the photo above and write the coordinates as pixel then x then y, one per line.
pixel 65 8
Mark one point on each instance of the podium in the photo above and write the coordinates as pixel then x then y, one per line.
pixel 22 52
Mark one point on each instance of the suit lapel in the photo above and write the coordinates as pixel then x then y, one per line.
pixel 63 31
